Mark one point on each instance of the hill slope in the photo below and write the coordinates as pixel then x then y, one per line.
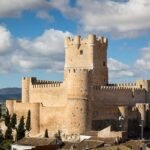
pixel 10 93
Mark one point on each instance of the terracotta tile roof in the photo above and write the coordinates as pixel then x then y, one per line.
pixel 34 141
pixel 84 144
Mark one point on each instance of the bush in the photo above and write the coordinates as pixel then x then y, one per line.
pixel 6 145
pixel 46 134
pixel 8 133
pixel 1 137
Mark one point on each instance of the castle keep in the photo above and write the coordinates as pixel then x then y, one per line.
pixel 85 100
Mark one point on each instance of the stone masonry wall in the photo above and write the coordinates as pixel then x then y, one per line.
pixel 109 95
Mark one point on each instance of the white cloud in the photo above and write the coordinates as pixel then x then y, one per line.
pixel 119 70
pixel 123 19
pixel 15 7
pixel 43 52
pixel 143 62
pixel 127 19
pixel 5 40
pixel 50 42
pixel 45 16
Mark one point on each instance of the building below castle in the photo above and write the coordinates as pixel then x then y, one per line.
pixel 85 100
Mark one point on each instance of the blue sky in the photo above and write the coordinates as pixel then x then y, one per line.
pixel 32 34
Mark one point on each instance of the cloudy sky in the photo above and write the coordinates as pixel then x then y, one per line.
pixel 32 36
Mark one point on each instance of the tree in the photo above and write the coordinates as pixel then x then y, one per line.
pixel 13 121
pixel 7 118
pixel 46 134
pixel 28 121
pixel 8 133
pixel 21 129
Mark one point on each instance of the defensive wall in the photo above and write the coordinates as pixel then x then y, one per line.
pixel 49 93
pixel 113 95
pixel 51 118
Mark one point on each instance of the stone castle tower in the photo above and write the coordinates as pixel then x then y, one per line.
pixel 85 100
pixel 89 54
pixel 85 65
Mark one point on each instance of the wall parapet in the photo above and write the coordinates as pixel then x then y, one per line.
pixel 99 87
pixel 91 40
pixel 45 83
pixel 123 84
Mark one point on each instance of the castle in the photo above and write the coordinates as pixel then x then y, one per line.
pixel 85 100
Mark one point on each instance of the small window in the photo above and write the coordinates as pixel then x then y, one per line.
pixel 104 64
pixel 81 52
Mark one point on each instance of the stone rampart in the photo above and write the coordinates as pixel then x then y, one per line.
pixel 53 119
pixel 21 109
pixel 113 95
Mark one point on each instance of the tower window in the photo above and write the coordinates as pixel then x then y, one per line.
pixel 81 52
pixel 104 63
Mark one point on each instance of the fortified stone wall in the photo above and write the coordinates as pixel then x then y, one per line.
pixel 21 109
pixel 49 93
pixel 54 95
pixel 53 119
pixel 111 95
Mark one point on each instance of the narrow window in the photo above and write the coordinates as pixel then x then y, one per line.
pixel 81 52
pixel 104 64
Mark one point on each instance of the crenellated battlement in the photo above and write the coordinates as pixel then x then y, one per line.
pixel 45 84
pixel 126 84
pixel 34 83
pixel 99 87
pixel 91 40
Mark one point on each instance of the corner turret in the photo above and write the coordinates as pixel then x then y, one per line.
pixel 26 83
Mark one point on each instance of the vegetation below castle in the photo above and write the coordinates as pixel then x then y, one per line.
pixel 14 131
